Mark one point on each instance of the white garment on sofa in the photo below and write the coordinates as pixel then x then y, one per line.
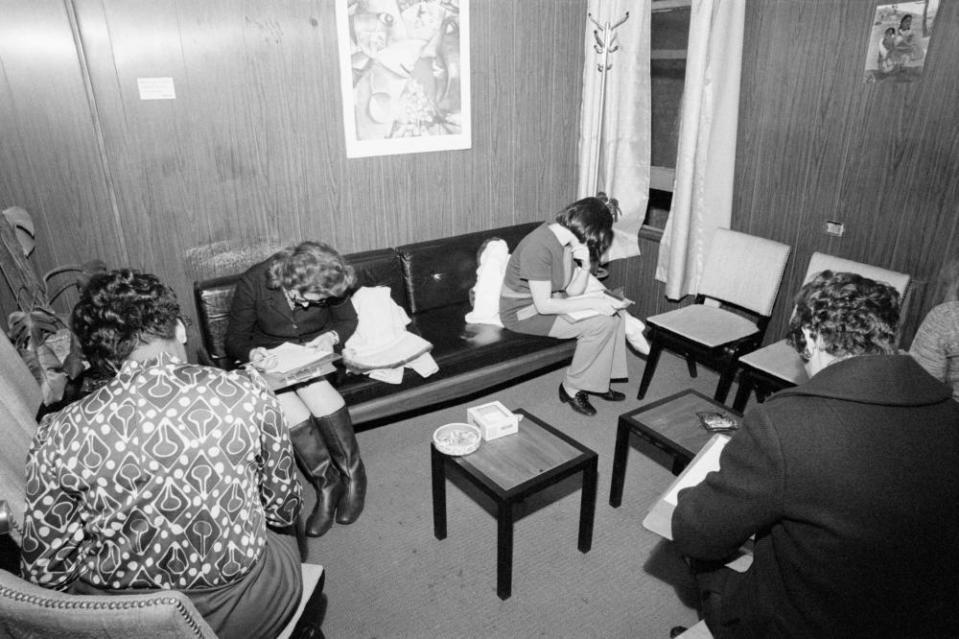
pixel 381 346
pixel 489 280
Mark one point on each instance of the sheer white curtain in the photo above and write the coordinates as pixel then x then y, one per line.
pixel 615 119
pixel 703 192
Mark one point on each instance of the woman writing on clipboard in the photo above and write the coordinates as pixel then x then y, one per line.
pixel 299 295
pixel 546 277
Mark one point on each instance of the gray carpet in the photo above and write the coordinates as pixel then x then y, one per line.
pixel 388 576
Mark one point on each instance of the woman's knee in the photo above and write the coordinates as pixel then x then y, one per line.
pixel 293 407
pixel 321 398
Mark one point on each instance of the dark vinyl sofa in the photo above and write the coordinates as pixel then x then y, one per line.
pixel 431 280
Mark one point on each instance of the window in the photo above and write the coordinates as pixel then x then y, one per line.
pixel 669 36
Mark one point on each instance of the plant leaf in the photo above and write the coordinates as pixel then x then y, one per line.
pixel 22 224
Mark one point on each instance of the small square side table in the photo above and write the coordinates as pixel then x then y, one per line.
pixel 670 424
pixel 509 470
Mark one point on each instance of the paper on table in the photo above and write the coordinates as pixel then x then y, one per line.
pixel 291 357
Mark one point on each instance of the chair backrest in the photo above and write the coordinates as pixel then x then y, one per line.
pixel 744 269
pixel 19 400
pixel 820 262
pixel 27 610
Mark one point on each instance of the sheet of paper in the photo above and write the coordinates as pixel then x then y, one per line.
pixel 706 461
pixel 291 357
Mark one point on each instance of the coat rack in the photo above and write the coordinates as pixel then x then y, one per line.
pixel 605 35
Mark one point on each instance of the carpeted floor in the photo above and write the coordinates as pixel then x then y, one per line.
pixel 388 576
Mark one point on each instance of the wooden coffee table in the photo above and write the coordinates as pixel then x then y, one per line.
pixel 670 424
pixel 509 470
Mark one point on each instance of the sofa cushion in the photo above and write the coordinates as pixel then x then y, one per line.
pixel 441 272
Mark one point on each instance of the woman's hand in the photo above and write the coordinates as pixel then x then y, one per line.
pixel 262 359
pixel 604 305
pixel 324 341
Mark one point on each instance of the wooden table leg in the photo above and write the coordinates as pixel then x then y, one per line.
pixel 437 465
pixel 587 506
pixel 504 549
pixel 620 453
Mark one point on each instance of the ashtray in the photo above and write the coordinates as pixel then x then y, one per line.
pixel 717 422
pixel 457 439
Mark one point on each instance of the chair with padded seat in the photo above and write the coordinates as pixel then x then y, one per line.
pixel 735 297
pixel 778 366
pixel 31 611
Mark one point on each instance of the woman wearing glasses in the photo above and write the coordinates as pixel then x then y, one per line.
pixel 300 295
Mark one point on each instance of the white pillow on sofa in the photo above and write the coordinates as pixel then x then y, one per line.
pixel 489 280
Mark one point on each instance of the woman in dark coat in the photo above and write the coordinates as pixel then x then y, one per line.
pixel 849 483
pixel 300 295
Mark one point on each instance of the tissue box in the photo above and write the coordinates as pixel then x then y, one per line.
pixel 493 419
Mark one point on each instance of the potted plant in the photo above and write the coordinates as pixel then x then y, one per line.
pixel 41 336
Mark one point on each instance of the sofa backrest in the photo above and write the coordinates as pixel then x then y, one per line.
pixel 421 276
pixel 213 297
pixel 441 272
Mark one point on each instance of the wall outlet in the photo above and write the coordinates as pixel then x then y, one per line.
pixel 835 228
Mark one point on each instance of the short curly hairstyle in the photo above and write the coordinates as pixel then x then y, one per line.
pixel 311 267
pixel 853 315
pixel 119 310
pixel 591 221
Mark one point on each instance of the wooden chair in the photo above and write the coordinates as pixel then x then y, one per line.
pixel 778 366
pixel 741 278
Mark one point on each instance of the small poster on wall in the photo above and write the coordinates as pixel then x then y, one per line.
pixel 899 40
pixel 404 75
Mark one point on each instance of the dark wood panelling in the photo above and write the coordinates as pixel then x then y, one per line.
pixel 817 143
pixel 251 156
pixel 50 161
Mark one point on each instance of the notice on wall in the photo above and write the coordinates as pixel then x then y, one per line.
pixel 156 88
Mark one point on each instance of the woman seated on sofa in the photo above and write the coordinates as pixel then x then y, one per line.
pixel 546 277
pixel 299 295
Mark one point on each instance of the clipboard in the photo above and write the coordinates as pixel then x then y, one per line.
pixel 659 519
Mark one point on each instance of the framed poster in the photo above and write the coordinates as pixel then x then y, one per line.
pixel 404 75
pixel 899 39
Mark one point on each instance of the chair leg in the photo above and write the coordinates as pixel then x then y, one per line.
pixel 652 360
pixel 726 377
pixel 743 392
pixel 691 365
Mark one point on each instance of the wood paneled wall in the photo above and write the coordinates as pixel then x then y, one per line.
pixel 251 156
pixel 817 143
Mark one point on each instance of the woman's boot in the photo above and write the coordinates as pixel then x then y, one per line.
pixel 313 457
pixel 337 429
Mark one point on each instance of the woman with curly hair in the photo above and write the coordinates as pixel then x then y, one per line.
pixel 546 277
pixel 301 295
pixel 171 475
pixel 847 483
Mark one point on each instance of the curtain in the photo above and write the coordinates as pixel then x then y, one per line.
pixel 614 138
pixel 705 162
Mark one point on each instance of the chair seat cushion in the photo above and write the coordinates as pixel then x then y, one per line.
pixel 778 360
pixel 706 325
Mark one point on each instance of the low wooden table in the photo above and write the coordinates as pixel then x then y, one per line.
pixel 670 424
pixel 509 470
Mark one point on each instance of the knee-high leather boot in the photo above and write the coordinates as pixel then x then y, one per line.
pixel 309 447
pixel 337 429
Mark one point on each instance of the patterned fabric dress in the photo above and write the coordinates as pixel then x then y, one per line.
pixel 164 478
